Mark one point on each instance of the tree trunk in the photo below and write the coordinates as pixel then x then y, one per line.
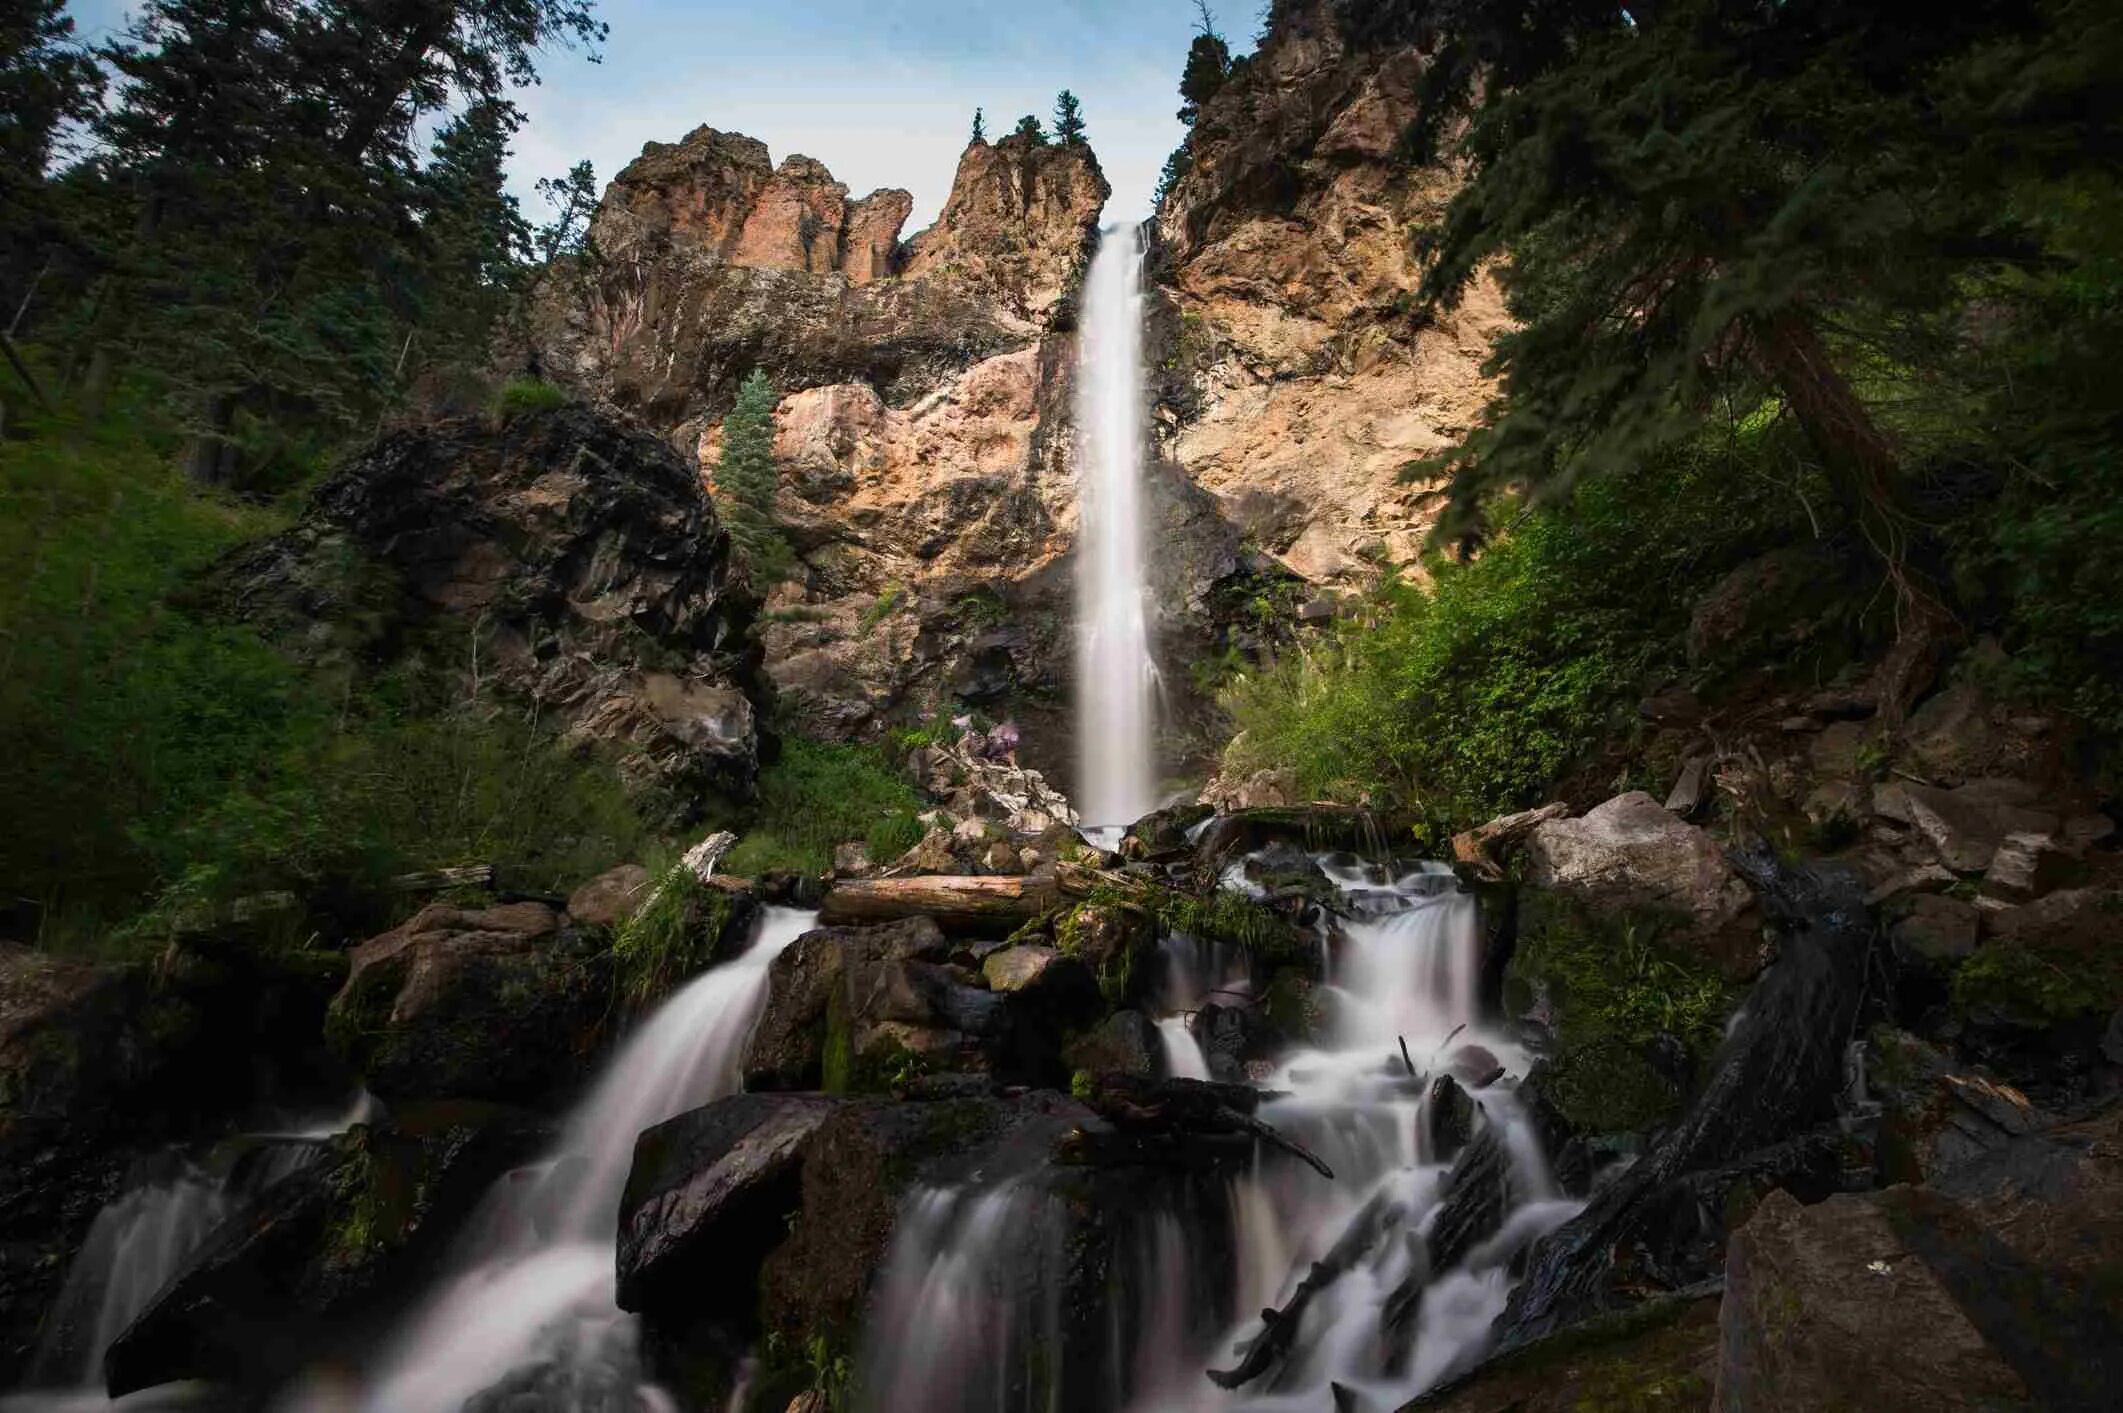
pixel 210 459
pixel 1864 459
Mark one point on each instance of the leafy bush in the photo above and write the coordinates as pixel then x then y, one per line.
pixel 1471 693
pixel 820 794
pixel 525 395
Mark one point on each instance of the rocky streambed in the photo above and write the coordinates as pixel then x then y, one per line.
pixel 1255 1111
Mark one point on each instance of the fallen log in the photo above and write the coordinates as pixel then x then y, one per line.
pixel 958 903
pixel 1482 848
pixel 439 880
pixel 1193 1107
pixel 1775 1078
pixel 1279 1328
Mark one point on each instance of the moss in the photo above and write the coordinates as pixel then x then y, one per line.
pixel 1082 1085
pixel 2038 986
pixel 1619 989
pixel 837 1056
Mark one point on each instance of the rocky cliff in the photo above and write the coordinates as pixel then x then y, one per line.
pixel 925 429
pixel 1298 381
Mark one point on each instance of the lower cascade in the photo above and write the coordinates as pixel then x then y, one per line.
pixel 532 1309
pixel 1367 1285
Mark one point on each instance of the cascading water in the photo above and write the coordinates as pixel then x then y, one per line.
pixel 534 1304
pixel 1116 675
pixel 1405 969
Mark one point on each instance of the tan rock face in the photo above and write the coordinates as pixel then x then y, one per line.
pixel 1300 388
pixel 1016 222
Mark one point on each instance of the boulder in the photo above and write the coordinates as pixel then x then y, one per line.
pixel 1826 1308
pixel 1125 1043
pixel 1935 1115
pixel 350 1233
pixel 500 1003
pixel 1632 853
pixel 1016 968
pixel 1936 932
pixel 845 1003
pixel 853 860
pixel 2026 866
pixel 1162 831
pixel 713 1182
pixel 1767 605
pixel 611 897
pixel 1262 789
pixel 1964 825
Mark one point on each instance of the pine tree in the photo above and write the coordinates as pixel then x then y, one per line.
pixel 1208 66
pixel 1068 119
pixel 1028 127
pixel 573 197
pixel 746 479
pixel 47 80
pixel 980 126
pixel 1710 206
pixel 474 241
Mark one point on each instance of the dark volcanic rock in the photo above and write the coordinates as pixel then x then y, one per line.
pixel 564 557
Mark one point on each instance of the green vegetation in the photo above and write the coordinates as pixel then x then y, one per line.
pixel 2037 985
pixel 820 794
pixel 1619 991
pixel 176 762
pixel 1068 119
pixel 1472 693
pixel 747 477
pixel 676 936
pixel 527 395
pixel 888 603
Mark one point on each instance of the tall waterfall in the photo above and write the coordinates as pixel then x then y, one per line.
pixel 1116 681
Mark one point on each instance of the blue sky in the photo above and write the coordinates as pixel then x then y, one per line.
pixel 881 91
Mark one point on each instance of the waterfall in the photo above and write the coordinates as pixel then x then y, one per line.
pixel 1116 680
pixel 532 1306
pixel 1404 967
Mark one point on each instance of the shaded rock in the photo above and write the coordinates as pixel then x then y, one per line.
pixel 1936 932
pixel 934 854
pixel 1921 878
pixel 1016 221
pixel 585 552
pixel 1312 828
pixel 1016 968
pixel 1690 787
pixel 1165 829
pixel 1835 750
pixel 611 897
pixel 1822 1302
pixel 1229 1036
pixel 2026 866
pixel 1448 1119
pixel 1659 1356
pixel 1767 604
pixel 852 860
pixel 348 1235
pixel 1105 936
pixel 500 1003
pixel 1263 789
pixel 1937 1116
pixel 844 1003
pixel 1630 852
pixel 1002 857
pixel 1965 825
pixel 2080 920
pixel 716 1181
pixel 1125 1043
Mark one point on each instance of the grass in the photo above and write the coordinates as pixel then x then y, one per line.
pixel 524 395
pixel 820 794
pixel 674 937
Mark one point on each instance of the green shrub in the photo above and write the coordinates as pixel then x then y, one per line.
pixel 2038 986
pixel 1472 694
pixel 888 603
pixel 525 395
pixel 820 794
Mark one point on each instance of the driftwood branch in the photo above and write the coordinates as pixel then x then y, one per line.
pixel 1279 1327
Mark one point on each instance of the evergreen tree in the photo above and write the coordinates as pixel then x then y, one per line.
pixel 1208 65
pixel 473 239
pixel 1028 127
pixel 980 126
pixel 46 81
pixel 274 265
pixel 1715 205
pixel 746 478
pixel 1068 119
pixel 573 198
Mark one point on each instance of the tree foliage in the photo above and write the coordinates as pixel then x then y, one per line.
pixel 1028 128
pixel 1068 119
pixel 980 126
pixel 747 476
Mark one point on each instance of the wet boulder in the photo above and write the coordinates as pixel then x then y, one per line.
pixel 1632 853
pixel 1936 1116
pixel 1124 1043
pixel 716 1182
pixel 847 1006
pixel 350 1235
pixel 501 1003
pixel 1162 831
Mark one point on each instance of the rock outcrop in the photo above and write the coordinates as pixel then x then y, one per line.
pixel 1299 384
pixel 1017 222
pixel 565 559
